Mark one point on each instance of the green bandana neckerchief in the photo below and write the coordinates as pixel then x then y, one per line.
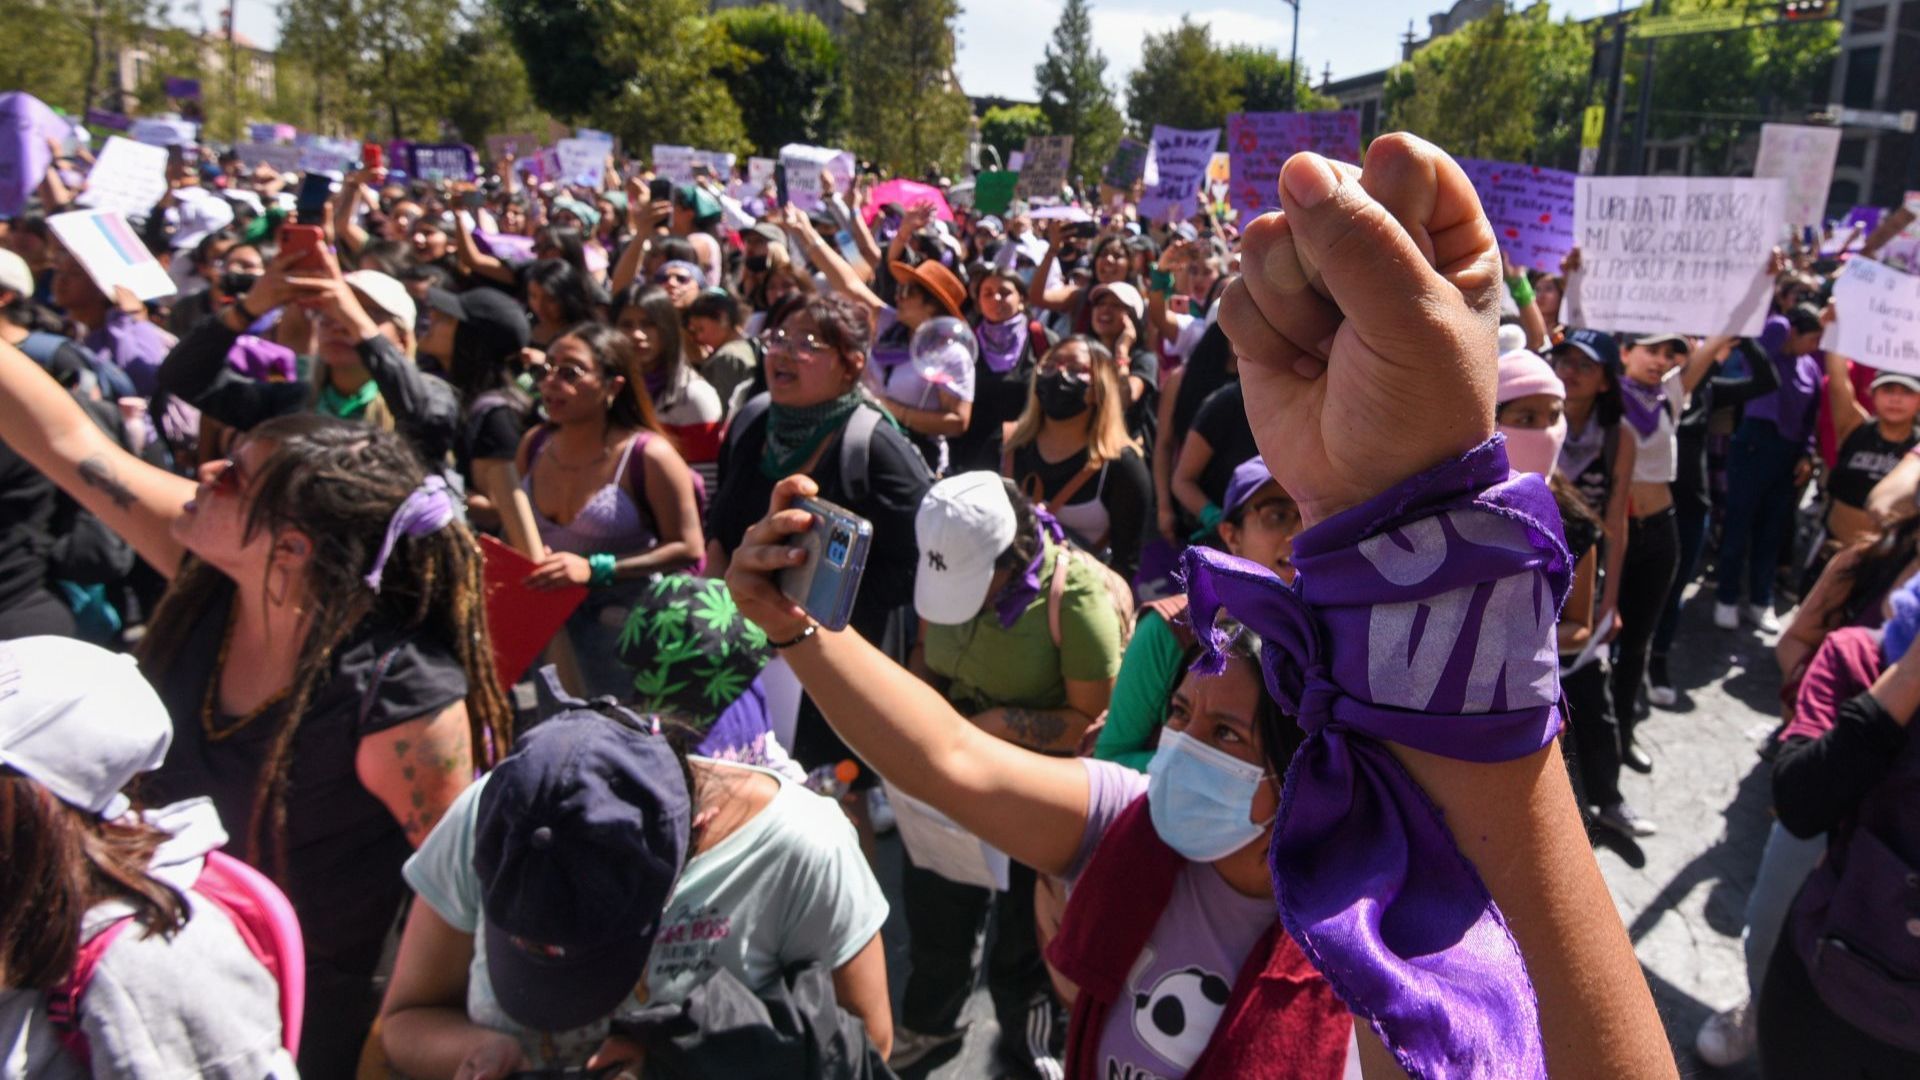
pixel 793 434
pixel 347 406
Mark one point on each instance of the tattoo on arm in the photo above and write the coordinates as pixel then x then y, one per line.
pixel 1034 728
pixel 97 472
pixel 426 768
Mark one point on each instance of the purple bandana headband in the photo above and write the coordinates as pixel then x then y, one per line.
pixel 1423 617
pixel 427 510
pixel 1013 600
pixel 699 276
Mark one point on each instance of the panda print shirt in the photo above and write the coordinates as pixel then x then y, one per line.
pixel 1178 987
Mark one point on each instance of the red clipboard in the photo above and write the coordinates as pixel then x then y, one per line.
pixel 521 620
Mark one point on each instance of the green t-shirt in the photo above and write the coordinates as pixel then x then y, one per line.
pixel 988 666
pixel 1139 707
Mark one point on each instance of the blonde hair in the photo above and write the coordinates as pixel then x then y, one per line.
pixel 378 414
pixel 1106 419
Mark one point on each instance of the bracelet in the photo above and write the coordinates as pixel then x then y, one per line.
pixel 812 629
pixel 600 564
pixel 1161 281
pixel 1522 290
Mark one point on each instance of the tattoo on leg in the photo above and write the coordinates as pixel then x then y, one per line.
pixel 97 472
pixel 1034 727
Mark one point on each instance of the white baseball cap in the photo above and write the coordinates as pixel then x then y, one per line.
pixel 79 720
pixel 197 213
pixel 15 277
pixel 963 525
pixel 387 294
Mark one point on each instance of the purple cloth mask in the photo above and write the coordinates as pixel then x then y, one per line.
pixel 1424 617
pixel 1013 600
pixel 1003 344
pixel 426 511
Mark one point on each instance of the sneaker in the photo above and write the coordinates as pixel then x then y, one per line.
pixel 1761 616
pixel 1726 616
pixel 879 811
pixel 1621 819
pixel 1727 1038
pixel 1660 689
pixel 910 1047
pixel 1635 758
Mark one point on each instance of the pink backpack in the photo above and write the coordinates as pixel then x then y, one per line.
pixel 260 913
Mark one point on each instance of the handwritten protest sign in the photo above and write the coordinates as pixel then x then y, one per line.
pixel 1529 206
pixel 110 253
pixel 1802 156
pixel 162 131
pixel 127 176
pixel 1182 158
pixel 805 164
pixel 1877 316
pixel 1258 144
pixel 1044 171
pixel 320 153
pixel 992 191
pixel 673 163
pixel 759 173
pixel 1128 165
pixel 521 146
pixel 1684 255
pixel 281 159
pixel 581 161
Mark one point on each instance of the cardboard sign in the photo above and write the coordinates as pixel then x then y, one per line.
pixel 110 253
pixel 1877 316
pixel 128 177
pixel 1530 208
pixel 1258 144
pixel 1044 170
pixel 1685 255
pixel 444 162
pixel 281 159
pixel 581 161
pixel 521 146
pixel 1182 158
pixel 1802 156
pixel 1128 164
pixel 164 131
pixel 992 191
pixel 805 164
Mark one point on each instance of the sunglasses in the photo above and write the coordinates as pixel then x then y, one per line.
pixel 571 374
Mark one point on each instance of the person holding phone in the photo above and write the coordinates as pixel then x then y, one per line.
pixel 1112 265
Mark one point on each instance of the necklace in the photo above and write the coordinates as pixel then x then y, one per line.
pixel 210 703
pixel 553 454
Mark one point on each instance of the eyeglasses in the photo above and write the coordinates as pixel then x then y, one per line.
pixel 570 374
pixel 787 344
pixel 675 278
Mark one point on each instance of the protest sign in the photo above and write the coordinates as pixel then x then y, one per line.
pixel 1072 214
pixel 593 135
pixel 805 164
pixel 1877 316
pixel 1258 144
pixel 759 173
pixel 164 131
pixel 184 89
pixel 673 163
pixel 1685 255
pixel 907 193
pixel 127 176
pixel 521 146
pixel 1802 156
pixel 1044 170
pixel 443 162
pixel 319 153
pixel 581 161
pixel 25 123
pixel 718 162
pixel 1866 217
pixel 271 133
pixel 112 121
pixel 110 253
pixel 1530 208
pixel 281 159
pixel 992 191
pixel 1182 158
pixel 1128 164
pixel 1015 160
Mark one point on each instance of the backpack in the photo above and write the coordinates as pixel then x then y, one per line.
pixel 1119 593
pixel 856 441
pixel 261 915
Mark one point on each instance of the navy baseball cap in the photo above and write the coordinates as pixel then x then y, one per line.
pixel 580 837
pixel 1598 345
pixel 1248 477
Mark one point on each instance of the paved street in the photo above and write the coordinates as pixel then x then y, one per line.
pixel 1680 893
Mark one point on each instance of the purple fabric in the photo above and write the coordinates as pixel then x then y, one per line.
pixel 1423 617
pixel 1792 407
pixel 427 510
pixel 1643 405
pixel 1002 344
pixel 133 345
pixel 263 360
pixel 1013 600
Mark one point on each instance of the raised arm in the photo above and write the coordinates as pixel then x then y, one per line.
pixel 1531 320
pixel 477 262
pixel 1059 298
pixel 44 425
pixel 1841 402
pixel 841 276
pixel 1572 310
pixel 346 226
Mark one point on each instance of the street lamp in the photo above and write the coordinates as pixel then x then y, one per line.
pixel 1293 57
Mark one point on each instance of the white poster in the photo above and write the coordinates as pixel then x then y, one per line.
pixel 1683 255
pixel 805 164
pixel 673 163
pixel 1802 156
pixel 128 176
pixel 1877 316
pixel 936 842
pixel 582 161
pixel 162 131
pixel 277 156
pixel 759 173
pixel 1181 159
pixel 110 252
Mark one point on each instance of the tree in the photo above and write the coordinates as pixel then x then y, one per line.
pixel 1072 83
pixel 1007 128
pixel 492 96
pixel 788 82
pixel 377 66
pixel 641 69
pixel 1183 81
pixel 908 111
pixel 1511 86
pixel 1263 83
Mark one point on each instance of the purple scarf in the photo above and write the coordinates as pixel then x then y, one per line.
pixel 656 383
pixel 1013 600
pixel 1423 617
pixel 1002 344
pixel 1643 406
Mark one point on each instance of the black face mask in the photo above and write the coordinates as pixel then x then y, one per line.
pixel 236 283
pixel 757 264
pixel 1060 398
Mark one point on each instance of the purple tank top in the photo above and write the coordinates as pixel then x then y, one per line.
pixel 610 520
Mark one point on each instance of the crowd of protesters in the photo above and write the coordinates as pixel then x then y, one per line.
pixel 1130 541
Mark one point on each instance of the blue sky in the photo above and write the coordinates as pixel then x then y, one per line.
pixel 1002 40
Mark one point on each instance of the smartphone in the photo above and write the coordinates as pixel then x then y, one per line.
pixel 1084 230
pixel 836 545
pixel 372 157
pixel 780 184
pixel 303 242
pixel 660 189
pixel 473 200
pixel 310 204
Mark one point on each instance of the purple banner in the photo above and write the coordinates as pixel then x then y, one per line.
pixel 1180 160
pixel 112 121
pixel 188 89
pixel 1258 144
pixel 433 163
pixel 1867 217
pixel 1530 208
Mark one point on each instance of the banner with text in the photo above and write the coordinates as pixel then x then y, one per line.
pixel 1802 156
pixel 1044 171
pixel 805 164
pixel 1685 255
pixel 1128 165
pixel 129 177
pixel 1530 208
pixel 1182 158
pixel 581 161
pixel 444 162
pixel 1877 316
pixel 1258 144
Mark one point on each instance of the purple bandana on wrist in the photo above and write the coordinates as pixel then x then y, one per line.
pixel 1013 600
pixel 1423 617
pixel 427 510
pixel 1642 406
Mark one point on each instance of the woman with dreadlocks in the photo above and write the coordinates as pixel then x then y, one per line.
pixel 323 653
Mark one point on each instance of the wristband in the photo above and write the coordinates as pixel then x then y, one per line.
pixel 600 564
pixel 1161 281
pixel 812 629
pixel 1521 288
pixel 1415 616
pixel 1210 516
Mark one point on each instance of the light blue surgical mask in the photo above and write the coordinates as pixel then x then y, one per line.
pixel 1200 798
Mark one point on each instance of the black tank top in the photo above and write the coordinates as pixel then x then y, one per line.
pixel 1864 459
